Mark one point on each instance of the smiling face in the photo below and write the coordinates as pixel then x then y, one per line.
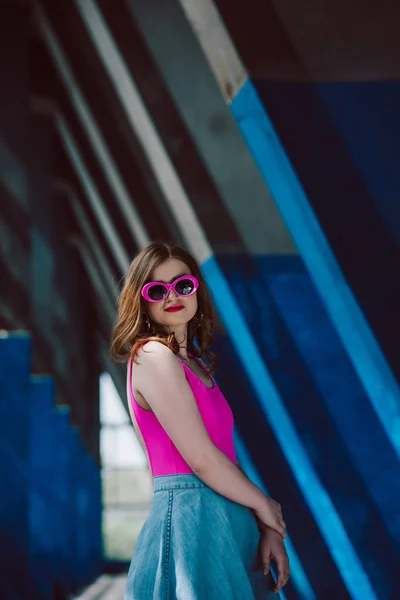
pixel 174 311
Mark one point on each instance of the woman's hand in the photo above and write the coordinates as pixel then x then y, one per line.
pixel 271 547
pixel 271 515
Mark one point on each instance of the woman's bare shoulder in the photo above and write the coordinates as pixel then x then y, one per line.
pixel 155 357
pixel 154 349
pixel 157 369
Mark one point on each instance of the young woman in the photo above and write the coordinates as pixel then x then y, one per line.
pixel 210 532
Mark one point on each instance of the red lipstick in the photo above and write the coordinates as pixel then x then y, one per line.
pixel 176 308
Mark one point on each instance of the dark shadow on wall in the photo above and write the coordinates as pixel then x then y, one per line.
pixel 350 215
pixel 323 130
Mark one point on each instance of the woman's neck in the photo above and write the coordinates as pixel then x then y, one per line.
pixel 181 337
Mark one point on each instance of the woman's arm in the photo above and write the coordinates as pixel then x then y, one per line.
pixel 161 380
pixel 261 526
pixel 272 547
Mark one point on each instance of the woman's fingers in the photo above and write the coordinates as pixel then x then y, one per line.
pixel 282 563
pixel 280 529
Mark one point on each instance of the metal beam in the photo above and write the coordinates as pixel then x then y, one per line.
pixel 92 130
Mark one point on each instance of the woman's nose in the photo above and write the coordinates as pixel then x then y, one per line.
pixel 173 292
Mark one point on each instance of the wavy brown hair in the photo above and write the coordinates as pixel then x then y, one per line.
pixel 131 330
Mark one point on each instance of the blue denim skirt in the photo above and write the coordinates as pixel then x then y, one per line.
pixel 196 545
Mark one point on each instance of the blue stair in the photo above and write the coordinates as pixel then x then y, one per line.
pixel 50 513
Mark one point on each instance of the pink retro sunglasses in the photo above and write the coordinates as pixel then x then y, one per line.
pixel 156 291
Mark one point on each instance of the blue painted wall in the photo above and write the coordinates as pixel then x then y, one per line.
pixel 43 551
pixel 50 506
pixel 333 416
pixel 343 140
pixel 14 461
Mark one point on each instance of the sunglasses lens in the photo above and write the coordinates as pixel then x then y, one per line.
pixel 184 287
pixel 157 292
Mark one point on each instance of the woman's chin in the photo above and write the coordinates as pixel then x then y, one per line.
pixel 175 320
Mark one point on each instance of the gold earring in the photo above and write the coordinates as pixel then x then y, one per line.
pixel 147 320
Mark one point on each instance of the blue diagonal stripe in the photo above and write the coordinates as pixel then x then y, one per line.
pixel 317 498
pixel 288 193
pixel 297 573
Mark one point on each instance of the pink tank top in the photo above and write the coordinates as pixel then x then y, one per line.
pixel 216 414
